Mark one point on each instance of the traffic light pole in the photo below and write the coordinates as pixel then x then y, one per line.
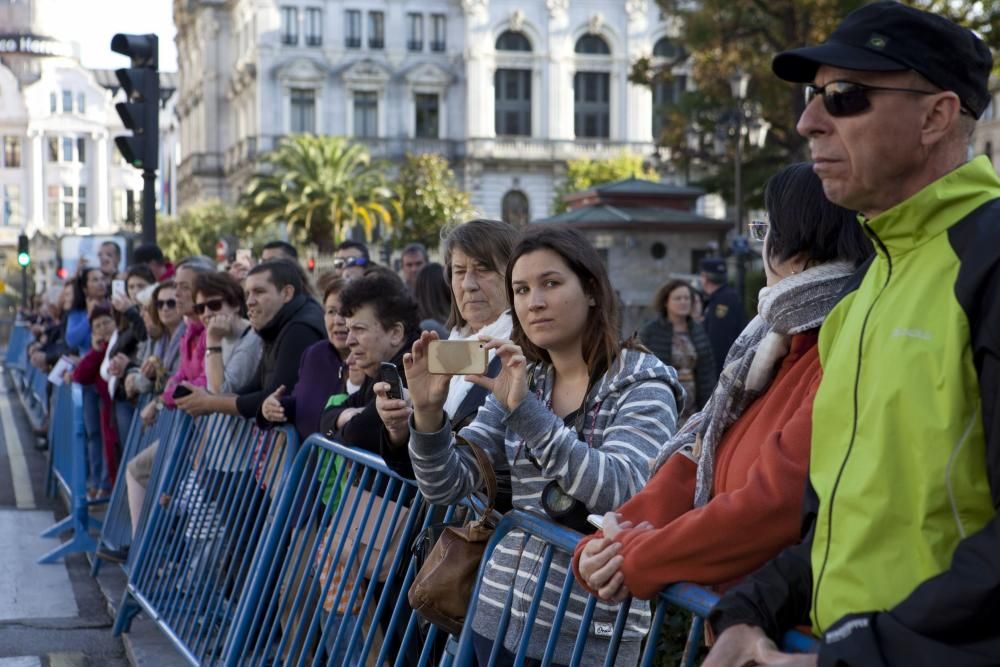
pixel 24 287
pixel 148 206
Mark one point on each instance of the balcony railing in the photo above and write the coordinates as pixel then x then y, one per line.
pixel 352 42
pixel 414 45
pixel 528 148
pixel 438 46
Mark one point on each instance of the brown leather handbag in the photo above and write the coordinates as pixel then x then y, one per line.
pixel 442 588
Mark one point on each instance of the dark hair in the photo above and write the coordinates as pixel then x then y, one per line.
pixel 489 242
pixel 387 294
pixel 334 286
pixel 432 293
pixel 344 245
pixel 660 298
pixel 221 284
pixel 99 311
pixel 281 272
pixel 601 343
pixel 80 288
pixel 154 311
pixel 118 248
pixel 140 271
pixel 283 246
pixel 415 247
pixel 804 222
pixel 146 253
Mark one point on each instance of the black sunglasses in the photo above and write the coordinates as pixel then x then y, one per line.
pixel 344 262
pixel 846 98
pixel 169 304
pixel 214 305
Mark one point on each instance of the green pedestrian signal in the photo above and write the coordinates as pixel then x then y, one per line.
pixel 23 255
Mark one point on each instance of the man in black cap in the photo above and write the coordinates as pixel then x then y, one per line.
pixel 724 314
pixel 900 558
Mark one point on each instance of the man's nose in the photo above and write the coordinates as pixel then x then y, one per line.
pixel 815 119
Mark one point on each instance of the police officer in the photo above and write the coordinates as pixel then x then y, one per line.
pixel 724 314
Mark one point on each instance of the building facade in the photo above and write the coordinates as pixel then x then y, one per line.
pixel 507 90
pixel 60 172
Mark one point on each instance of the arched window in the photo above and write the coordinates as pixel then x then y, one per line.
pixel 592 92
pixel 515 209
pixel 593 44
pixel 510 40
pixel 512 90
pixel 667 87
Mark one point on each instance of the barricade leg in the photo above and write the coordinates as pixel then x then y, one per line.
pixel 693 642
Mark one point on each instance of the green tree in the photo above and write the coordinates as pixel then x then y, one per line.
pixel 430 198
pixel 196 230
pixel 321 186
pixel 724 36
pixel 585 173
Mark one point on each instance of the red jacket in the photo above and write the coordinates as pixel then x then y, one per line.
pixel 760 476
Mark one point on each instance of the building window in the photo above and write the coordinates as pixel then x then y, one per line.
pixel 67 149
pixel 67 99
pixel 53 103
pixel 365 114
pixel 289 26
pixel 438 40
pixel 314 26
pixel 67 206
pixel 592 93
pixel 81 103
pixel 513 41
pixel 81 149
pixel 376 30
pixel 11 212
pixel 81 205
pixel 303 110
pixel 514 208
pixel 667 88
pixel 53 149
pixel 512 102
pixel 415 32
pixel 428 115
pixel 593 45
pixel 353 29
pixel 12 151
pixel 664 48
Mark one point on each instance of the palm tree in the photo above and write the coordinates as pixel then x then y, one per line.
pixel 321 186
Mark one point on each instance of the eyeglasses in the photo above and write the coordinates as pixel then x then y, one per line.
pixel 758 229
pixel 169 304
pixel 344 262
pixel 846 98
pixel 214 305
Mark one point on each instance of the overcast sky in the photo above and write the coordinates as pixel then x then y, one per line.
pixel 92 23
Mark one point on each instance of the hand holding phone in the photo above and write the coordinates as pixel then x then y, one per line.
pixel 457 357
pixel 390 374
pixel 181 391
pixel 118 288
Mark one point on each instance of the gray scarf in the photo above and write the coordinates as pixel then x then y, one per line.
pixel 797 303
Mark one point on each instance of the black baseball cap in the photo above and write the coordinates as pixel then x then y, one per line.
pixel 891 37
pixel 713 265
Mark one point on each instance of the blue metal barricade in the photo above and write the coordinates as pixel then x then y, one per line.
pixel 329 586
pixel 204 516
pixel 117 532
pixel 69 470
pixel 560 539
pixel 15 357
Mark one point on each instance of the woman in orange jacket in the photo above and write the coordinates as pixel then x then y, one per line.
pixel 727 488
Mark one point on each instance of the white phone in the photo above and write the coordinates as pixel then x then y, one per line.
pixel 118 287
pixel 596 520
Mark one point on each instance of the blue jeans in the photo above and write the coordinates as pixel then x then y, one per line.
pixel 97 471
pixel 124 411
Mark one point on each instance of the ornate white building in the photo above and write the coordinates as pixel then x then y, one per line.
pixel 60 172
pixel 508 90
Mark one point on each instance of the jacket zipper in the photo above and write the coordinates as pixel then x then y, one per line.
pixel 854 424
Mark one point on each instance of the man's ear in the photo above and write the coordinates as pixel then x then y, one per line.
pixel 940 119
pixel 397 334
pixel 287 293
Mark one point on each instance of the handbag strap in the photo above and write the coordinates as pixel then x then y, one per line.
pixel 486 471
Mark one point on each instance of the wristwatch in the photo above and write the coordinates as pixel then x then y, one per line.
pixel 211 350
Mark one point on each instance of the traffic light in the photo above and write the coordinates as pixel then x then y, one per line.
pixel 23 254
pixel 141 110
pixel 311 264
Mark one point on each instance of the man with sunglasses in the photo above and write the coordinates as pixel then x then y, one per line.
pixel 351 260
pixel 900 558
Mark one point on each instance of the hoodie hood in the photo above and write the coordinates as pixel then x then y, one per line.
pixel 630 367
pixel 301 308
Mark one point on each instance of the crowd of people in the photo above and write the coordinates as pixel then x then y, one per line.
pixel 716 450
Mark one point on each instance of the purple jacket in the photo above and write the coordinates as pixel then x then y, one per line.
pixel 320 371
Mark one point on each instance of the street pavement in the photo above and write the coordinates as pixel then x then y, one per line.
pixel 50 615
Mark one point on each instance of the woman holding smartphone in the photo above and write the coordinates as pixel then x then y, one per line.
pixel 575 415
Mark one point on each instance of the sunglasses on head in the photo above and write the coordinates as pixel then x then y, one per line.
pixel 214 305
pixel 169 304
pixel 847 98
pixel 344 262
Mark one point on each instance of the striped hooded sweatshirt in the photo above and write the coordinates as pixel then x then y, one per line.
pixel 629 414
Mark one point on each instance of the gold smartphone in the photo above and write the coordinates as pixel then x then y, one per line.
pixel 457 357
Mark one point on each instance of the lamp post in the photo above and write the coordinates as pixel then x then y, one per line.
pixel 738 83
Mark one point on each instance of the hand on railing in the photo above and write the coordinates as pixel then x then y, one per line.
pixel 600 562
pixel 748 645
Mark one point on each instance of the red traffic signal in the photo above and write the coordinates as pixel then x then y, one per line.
pixel 311 264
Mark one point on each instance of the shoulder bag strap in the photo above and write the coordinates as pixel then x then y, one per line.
pixel 487 472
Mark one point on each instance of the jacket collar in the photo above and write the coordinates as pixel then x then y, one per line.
pixel 285 314
pixel 934 209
